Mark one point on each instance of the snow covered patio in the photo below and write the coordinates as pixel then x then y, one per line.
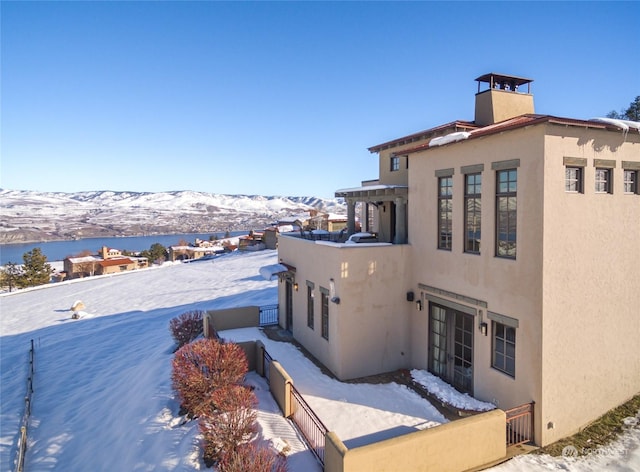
pixel 355 426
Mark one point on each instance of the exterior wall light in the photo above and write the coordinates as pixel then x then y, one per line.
pixel 419 305
pixel 332 292
pixel 295 286
pixel 483 328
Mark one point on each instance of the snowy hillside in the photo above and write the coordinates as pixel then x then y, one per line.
pixel 41 216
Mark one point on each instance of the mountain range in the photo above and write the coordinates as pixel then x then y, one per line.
pixel 29 216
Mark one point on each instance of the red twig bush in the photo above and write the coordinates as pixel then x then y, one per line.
pixel 201 368
pixel 233 422
pixel 186 327
pixel 249 457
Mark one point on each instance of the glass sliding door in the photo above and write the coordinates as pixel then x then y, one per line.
pixel 451 346
pixel 438 341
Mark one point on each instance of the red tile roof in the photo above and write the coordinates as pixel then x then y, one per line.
pixel 519 122
pixel 454 125
pixel 116 261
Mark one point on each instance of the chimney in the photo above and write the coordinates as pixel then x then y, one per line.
pixel 503 99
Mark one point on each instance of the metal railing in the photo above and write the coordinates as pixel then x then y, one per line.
pixel 268 315
pixel 312 429
pixel 520 428
pixel 266 364
pixel 22 439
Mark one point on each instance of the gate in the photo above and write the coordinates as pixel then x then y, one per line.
pixel 268 315
pixel 309 424
pixel 520 428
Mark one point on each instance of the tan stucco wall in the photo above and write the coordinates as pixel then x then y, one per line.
pixel 369 329
pixel 493 106
pixel 455 446
pixel 231 318
pixel 509 287
pixel 388 177
pixel 279 385
pixel 591 288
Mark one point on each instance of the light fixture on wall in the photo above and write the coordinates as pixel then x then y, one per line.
pixel 483 328
pixel 332 292
pixel 419 305
pixel 295 286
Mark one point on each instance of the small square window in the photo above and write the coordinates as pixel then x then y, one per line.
pixel 573 180
pixel 631 181
pixel 603 181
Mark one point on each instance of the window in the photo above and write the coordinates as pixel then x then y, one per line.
pixel 325 313
pixel 395 163
pixel 504 348
pixel 310 321
pixel 603 181
pixel 472 212
pixel 573 180
pixel 630 181
pixel 506 212
pixel 445 209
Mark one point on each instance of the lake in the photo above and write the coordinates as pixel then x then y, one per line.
pixel 59 250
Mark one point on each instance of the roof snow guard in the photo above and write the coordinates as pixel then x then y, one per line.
pixel 504 82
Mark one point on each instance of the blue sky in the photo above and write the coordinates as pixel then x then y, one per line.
pixel 278 98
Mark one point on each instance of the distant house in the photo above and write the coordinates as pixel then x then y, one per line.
pixel 336 222
pixel 505 262
pixel 107 261
pixel 199 249
pixel 78 267
pixel 115 264
pixel 252 242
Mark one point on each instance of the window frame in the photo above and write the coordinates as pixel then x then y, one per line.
pixel 630 186
pixel 606 183
pixel 310 307
pixel 503 245
pixel 472 245
pixel 394 163
pixel 501 363
pixel 578 180
pixel 324 310
pixel 445 216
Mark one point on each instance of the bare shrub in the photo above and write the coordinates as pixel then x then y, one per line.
pixel 201 368
pixel 186 327
pixel 231 423
pixel 249 457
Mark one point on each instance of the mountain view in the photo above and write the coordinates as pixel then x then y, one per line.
pixel 29 216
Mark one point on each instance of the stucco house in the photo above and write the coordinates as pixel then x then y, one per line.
pixel 506 262
pixel 107 261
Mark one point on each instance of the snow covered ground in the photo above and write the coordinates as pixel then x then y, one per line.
pixel 103 397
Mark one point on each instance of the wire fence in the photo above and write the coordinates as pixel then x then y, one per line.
pixel 22 438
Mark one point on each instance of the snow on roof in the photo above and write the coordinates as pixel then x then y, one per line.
pixel 624 125
pixel 449 138
pixel 80 260
pixel 369 188
pixel 287 228
pixel 269 271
